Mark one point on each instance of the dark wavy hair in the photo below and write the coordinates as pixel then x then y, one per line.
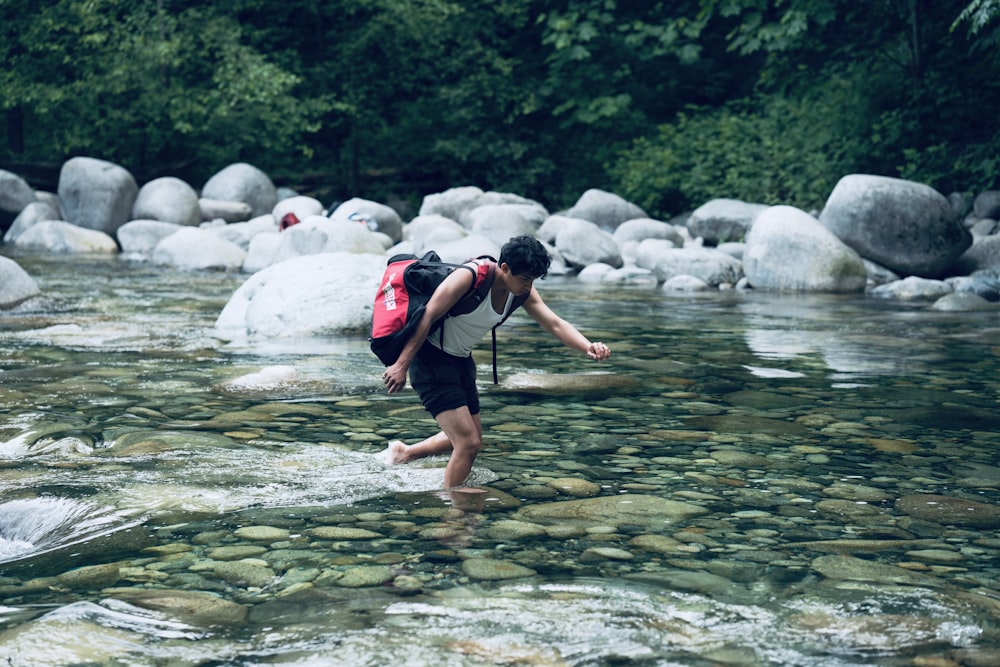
pixel 525 255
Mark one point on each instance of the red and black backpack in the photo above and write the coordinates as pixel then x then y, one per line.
pixel 407 286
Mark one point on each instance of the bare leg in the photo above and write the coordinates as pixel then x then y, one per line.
pixel 465 433
pixel 439 443
pixel 461 434
pixel 398 452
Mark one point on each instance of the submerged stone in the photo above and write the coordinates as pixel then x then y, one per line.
pixel 261 533
pixel 859 569
pixel 338 533
pixel 505 530
pixel 749 424
pixel 76 641
pixel 596 554
pixel 235 552
pixel 365 575
pixel 949 510
pixel 194 607
pixel 572 486
pixel 642 510
pixel 567 383
pixel 242 573
pixel 491 569
pixel 91 576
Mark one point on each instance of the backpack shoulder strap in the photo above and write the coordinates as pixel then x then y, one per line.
pixel 483 276
pixel 517 303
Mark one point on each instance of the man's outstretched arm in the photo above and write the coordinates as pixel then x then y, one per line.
pixel 562 330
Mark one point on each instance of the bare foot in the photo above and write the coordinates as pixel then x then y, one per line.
pixel 395 453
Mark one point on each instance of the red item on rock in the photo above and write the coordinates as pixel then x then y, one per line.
pixel 287 221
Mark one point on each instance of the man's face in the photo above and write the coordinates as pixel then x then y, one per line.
pixel 522 283
pixel 518 283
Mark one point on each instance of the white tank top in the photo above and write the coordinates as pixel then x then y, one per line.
pixel 459 334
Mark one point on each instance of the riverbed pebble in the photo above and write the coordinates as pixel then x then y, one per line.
pixel 491 569
pixel 261 533
pixel 365 576
pixel 91 576
pixel 244 574
pixel 341 533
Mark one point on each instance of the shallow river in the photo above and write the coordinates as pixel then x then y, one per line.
pixel 752 479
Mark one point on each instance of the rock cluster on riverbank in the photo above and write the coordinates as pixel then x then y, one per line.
pixel 889 237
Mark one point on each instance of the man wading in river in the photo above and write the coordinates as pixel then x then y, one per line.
pixel 441 367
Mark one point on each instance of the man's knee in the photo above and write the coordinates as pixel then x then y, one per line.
pixel 470 444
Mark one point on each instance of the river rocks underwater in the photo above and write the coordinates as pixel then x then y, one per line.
pixel 751 479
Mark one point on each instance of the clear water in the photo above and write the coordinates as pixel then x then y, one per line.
pixel 790 430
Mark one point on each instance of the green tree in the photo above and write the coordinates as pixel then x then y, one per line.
pixel 883 88
pixel 541 97
pixel 981 18
pixel 147 83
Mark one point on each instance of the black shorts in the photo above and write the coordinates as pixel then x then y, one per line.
pixel 443 381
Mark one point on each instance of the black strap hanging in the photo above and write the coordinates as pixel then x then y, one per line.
pixel 495 378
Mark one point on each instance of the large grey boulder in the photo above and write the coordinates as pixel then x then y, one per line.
pixel 499 222
pixel 710 265
pixel 50 198
pixel 428 232
pixel 140 237
pixel 581 242
pixel 457 203
pixel 985 284
pixel 913 288
pixel 721 220
pixel 981 227
pixel 242 182
pixel 685 283
pixel 984 254
pixel 167 199
pixel 529 209
pixel 299 205
pixel 58 237
pixel 384 217
pixel 329 293
pixel 15 194
pixel 227 211
pixel 878 274
pixel 194 248
pixel 32 213
pixel 262 251
pixel 550 227
pixel 96 194
pixel 987 205
pixel 318 234
pixel 241 233
pixel 463 249
pixel 453 202
pixel 648 251
pixel 605 209
pixel 788 249
pixel 626 275
pixel 905 226
pixel 15 284
pixel 641 229
pixel 962 302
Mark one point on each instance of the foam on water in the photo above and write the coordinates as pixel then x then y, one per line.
pixel 34 525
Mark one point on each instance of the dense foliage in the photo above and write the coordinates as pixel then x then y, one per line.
pixel 669 104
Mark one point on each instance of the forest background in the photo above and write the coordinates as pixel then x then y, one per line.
pixel 668 104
